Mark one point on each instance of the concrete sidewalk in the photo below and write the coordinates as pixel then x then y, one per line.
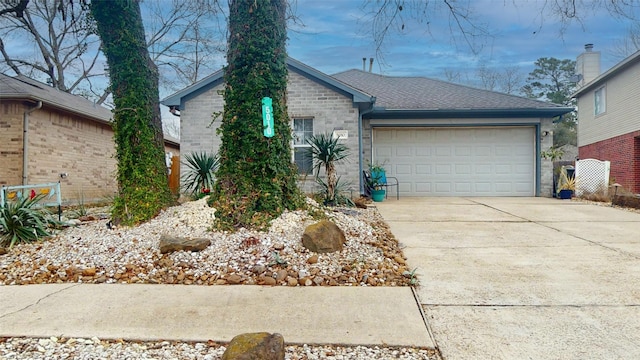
pixel 523 278
pixel 313 315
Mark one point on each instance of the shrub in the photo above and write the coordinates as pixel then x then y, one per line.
pixel 21 223
pixel 200 175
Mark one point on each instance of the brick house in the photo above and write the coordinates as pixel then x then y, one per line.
pixel 437 138
pixel 67 138
pixel 609 115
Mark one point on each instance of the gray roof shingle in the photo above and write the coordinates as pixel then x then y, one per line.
pixel 23 88
pixel 420 93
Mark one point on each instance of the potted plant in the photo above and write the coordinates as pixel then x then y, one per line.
pixel 567 185
pixel 377 181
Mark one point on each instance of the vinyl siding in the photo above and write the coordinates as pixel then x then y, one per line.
pixel 622 115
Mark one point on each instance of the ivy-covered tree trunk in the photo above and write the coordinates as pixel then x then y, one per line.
pixel 256 178
pixel 143 188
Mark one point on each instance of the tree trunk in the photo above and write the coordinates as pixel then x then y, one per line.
pixel 256 178
pixel 143 188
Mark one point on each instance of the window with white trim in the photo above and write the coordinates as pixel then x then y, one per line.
pixel 302 130
pixel 599 101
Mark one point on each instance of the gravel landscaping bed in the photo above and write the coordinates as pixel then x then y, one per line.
pixel 95 252
pixel 89 349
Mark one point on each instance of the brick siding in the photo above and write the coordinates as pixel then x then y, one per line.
pixel 624 154
pixel 11 142
pixel 305 98
pixel 60 143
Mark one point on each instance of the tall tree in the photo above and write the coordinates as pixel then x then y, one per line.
pixel 256 178
pixel 143 188
pixel 551 81
pixel 66 51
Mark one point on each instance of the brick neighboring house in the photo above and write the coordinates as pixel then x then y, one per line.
pixel 609 115
pixel 65 134
pixel 437 138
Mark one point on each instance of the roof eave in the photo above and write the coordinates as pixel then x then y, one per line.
pixel 32 98
pixel 468 113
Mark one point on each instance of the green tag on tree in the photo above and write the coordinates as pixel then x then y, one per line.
pixel 267 117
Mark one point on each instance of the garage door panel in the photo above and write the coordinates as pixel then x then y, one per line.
pixel 459 161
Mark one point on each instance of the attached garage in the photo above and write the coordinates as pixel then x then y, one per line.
pixel 459 161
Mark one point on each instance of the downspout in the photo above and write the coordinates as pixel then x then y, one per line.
pixel 25 142
pixel 360 130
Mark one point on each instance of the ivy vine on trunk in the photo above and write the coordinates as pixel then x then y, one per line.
pixel 256 180
pixel 143 188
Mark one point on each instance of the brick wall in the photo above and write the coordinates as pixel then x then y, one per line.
pixel 60 143
pixel 624 154
pixel 305 98
pixel 11 142
pixel 65 143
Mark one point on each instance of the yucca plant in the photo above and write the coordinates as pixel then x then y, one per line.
pixel 201 172
pixel 21 223
pixel 340 193
pixel 326 152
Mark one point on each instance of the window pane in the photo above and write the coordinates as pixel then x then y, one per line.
pixel 302 158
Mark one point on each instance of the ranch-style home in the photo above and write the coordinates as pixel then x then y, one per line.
pixel 47 135
pixel 437 138
pixel 609 115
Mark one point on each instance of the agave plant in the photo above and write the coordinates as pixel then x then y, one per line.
pixel 201 172
pixel 21 223
pixel 326 152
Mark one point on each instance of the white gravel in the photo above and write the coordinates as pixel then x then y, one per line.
pixel 91 252
pixel 89 349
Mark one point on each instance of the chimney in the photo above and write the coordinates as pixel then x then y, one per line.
pixel 364 64
pixel 370 64
pixel 587 65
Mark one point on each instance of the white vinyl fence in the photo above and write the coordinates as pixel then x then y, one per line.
pixel 592 176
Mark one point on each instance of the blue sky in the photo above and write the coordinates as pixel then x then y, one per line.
pixel 336 36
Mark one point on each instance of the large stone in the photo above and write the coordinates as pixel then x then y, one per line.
pixel 323 237
pixel 170 243
pixel 250 346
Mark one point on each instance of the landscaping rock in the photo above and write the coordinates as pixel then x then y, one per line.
pixel 173 243
pixel 262 346
pixel 323 237
pixel 3 251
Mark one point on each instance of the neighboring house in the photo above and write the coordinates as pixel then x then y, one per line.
pixel 437 138
pixel 609 116
pixel 47 135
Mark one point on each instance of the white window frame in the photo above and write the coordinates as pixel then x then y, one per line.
pixel 600 101
pixel 299 139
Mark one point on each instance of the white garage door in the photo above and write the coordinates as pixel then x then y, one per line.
pixel 489 161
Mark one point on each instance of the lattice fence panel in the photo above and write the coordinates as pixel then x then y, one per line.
pixel 592 176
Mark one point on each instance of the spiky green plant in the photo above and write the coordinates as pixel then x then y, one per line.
pixel 326 152
pixel 20 222
pixel 201 171
pixel 340 197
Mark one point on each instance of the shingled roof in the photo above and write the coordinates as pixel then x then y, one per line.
pixel 425 94
pixel 23 88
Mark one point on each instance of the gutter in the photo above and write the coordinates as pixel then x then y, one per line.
pixel 25 142
pixel 360 155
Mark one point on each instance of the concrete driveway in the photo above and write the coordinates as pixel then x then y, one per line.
pixel 523 278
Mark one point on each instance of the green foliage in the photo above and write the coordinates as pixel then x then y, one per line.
pixel 553 153
pixel 21 223
pixel 256 180
pixel 143 188
pixel 340 197
pixel 201 171
pixel 550 81
pixel 326 152
pixel 565 131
